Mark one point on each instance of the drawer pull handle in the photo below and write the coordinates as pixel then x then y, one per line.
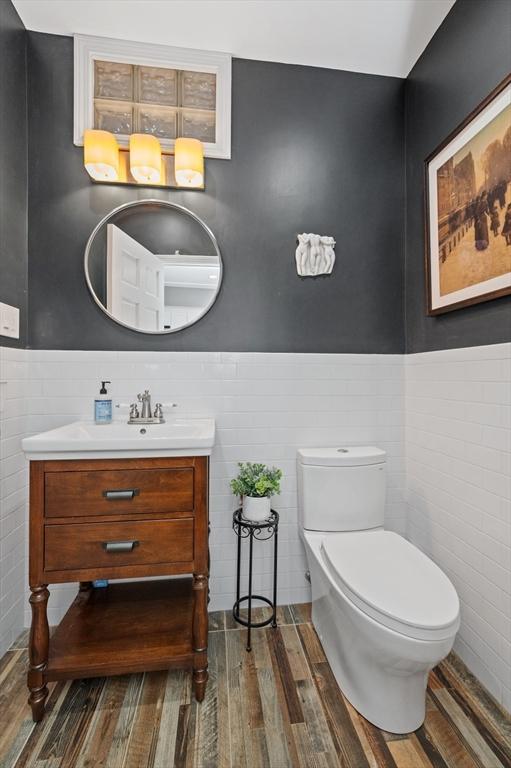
pixel 127 493
pixel 120 546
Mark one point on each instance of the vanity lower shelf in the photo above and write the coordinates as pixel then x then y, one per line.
pixel 124 628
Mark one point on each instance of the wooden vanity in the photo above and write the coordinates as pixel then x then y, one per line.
pixel 119 519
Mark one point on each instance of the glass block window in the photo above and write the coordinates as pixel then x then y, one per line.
pixel 131 98
pixel 129 87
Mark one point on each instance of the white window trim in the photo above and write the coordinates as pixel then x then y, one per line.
pixel 87 48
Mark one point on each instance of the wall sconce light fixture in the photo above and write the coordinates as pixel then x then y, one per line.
pixel 145 158
pixel 101 155
pixel 189 163
pixel 143 163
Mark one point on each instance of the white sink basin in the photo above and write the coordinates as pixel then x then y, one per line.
pixel 87 440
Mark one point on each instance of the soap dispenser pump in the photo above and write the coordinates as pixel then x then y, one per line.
pixel 103 406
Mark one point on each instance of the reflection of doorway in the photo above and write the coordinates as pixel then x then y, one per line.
pixel 135 287
pixel 191 282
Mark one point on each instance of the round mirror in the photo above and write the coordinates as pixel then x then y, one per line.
pixel 153 266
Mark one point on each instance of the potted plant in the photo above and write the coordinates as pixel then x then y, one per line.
pixel 255 485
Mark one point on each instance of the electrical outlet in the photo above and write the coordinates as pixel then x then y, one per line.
pixel 9 321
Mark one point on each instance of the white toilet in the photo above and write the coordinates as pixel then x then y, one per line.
pixel 385 613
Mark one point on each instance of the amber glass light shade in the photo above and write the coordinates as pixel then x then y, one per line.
pixel 189 162
pixel 101 155
pixel 145 158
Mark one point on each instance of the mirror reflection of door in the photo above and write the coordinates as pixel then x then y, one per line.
pixel 153 266
pixel 135 282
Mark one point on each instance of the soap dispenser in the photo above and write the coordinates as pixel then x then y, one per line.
pixel 103 406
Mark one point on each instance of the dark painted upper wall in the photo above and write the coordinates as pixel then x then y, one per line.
pixel 469 55
pixel 13 166
pixel 313 150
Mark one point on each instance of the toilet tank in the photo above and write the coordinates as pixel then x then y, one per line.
pixel 341 488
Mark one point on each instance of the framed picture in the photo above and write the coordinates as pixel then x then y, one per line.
pixel 468 208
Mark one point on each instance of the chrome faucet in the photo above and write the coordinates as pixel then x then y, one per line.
pixel 146 416
pixel 145 399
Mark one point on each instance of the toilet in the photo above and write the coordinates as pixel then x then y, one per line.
pixel 384 612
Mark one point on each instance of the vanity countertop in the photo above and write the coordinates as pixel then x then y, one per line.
pixel 118 440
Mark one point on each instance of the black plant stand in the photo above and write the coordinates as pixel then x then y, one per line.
pixel 246 529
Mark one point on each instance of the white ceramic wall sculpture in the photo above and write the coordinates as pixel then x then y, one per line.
pixel 315 255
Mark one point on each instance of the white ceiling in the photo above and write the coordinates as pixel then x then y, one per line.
pixel 384 37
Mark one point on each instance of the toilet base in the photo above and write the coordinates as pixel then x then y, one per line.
pixel 382 673
pixel 392 703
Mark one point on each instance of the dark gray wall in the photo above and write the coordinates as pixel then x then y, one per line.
pixel 13 166
pixel 313 150
pixel 468 56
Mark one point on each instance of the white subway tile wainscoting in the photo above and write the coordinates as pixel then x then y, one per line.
pixel 14 397
pixel 458 446
pixel 265 406
pixel 448 412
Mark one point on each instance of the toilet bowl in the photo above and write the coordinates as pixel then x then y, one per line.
pixel 384 612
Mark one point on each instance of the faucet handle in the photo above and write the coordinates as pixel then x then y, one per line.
pixel 158 411
pixel 134 411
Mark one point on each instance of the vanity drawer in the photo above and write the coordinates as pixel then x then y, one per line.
pixel 119 491
pixel 81 546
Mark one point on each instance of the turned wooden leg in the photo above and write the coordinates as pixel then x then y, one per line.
pixel 209 560
pixel 38 650
pixel 200 635
pixel 200 678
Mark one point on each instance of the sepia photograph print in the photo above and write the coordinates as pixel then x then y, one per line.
pixel 468 208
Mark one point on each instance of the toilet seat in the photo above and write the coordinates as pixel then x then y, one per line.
pixel 392 581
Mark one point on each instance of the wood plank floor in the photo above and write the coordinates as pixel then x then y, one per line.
pixel 278 706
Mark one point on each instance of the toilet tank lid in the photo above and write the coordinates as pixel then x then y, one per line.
pixel 342 456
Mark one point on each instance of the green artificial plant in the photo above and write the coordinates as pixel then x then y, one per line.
pixel 256 480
